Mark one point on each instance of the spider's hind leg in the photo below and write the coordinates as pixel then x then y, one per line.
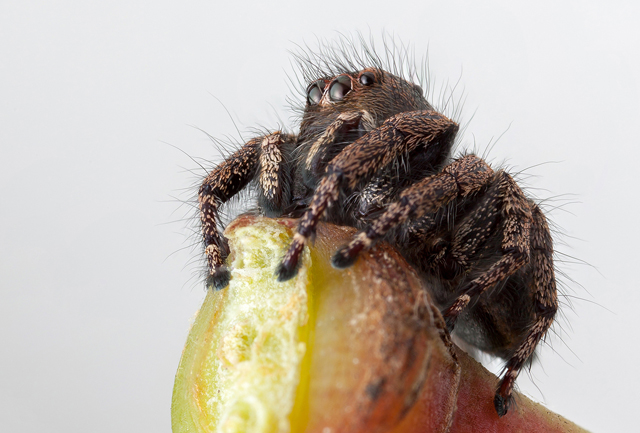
pixel 543 289
pixel 515 212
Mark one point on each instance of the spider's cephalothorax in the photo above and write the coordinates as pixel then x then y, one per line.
pixel 373 153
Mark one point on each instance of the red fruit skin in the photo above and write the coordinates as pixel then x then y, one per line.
pixel 476 413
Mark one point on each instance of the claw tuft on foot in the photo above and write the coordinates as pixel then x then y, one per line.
pixel 219 279
pixel 285 273
pixel 501 404
pixel 343 258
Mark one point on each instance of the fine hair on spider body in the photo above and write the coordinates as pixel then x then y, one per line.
pixel 374 154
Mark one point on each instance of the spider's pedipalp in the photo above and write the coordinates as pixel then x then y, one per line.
pixel 321 151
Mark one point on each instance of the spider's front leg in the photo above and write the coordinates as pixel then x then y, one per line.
pixel 360 160
pixel 265 159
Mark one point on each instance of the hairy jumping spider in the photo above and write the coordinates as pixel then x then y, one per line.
pixel 372 153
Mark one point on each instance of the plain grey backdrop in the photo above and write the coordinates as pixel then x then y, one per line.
pixel 97 280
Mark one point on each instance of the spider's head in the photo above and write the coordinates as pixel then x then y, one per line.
pixel 375 93
pixel 362 100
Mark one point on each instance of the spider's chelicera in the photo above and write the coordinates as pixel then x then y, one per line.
pixel 372 153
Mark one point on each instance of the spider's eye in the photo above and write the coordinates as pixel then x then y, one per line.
pixel 367 78
pixel 339 88
pixel 314 94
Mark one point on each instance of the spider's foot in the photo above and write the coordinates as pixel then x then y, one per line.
pixel 502 404
pixel 286 271
pixel 344 258
pixel 347 255
pixel 288 267
pixel 219 279
pixel 504 395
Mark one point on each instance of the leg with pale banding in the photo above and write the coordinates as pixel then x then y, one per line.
pixel 262 158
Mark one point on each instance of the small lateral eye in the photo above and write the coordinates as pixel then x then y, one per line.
pixel 339 88
pixel 314 94
pixel 367 78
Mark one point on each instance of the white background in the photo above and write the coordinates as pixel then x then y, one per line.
pixel 94 305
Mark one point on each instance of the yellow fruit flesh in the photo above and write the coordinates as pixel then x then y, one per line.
pixel 247 351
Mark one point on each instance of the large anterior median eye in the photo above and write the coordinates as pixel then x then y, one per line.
pixel 339 88
pixel 315 91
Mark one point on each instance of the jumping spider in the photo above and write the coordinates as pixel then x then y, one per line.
pixel 372 153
